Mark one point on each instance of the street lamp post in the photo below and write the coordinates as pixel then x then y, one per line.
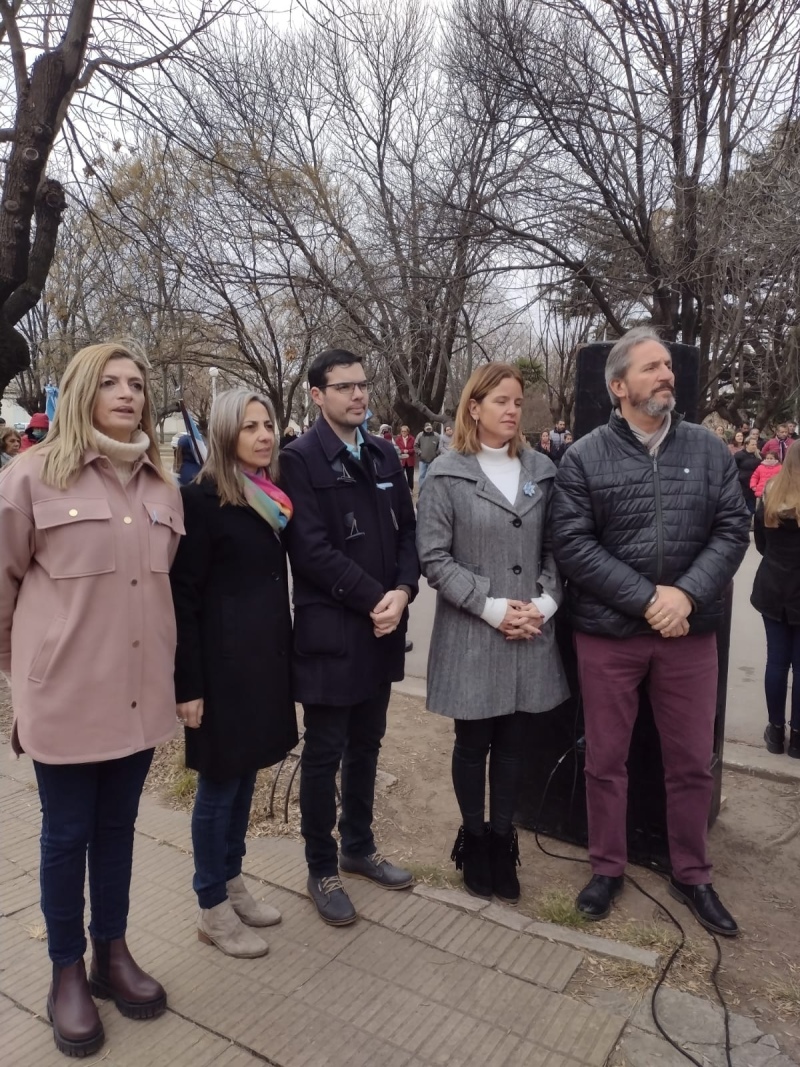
pixel 213 373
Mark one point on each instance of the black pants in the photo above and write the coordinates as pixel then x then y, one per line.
pixel 501 739
pixel 351 735
pixel 410 476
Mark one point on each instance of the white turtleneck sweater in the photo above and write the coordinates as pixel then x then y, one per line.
pixel 122 455
pixel 503 471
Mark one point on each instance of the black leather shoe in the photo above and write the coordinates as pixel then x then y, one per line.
pixel 794 744
pixel 332 903
pixel 409 645
pixel 594 900
pixel 376 869
pixel 774 737
pixel 706 907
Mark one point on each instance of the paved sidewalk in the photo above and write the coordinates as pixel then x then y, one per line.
pixel 414 983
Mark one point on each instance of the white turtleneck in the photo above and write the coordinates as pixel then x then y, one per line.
pixel 503 471
pixel 122 455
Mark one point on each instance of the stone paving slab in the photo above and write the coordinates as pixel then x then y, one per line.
pixel 414 983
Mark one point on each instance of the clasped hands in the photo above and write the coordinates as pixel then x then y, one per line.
pixel 388 612
pixel 669 613
pixel 522 621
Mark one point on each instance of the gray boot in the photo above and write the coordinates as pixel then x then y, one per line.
pixel 251 911
pixel 221 926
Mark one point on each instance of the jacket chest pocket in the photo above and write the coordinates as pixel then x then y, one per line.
pixel 165 526
pixel 77 536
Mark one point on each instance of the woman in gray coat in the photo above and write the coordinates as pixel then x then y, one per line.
pixel 484 544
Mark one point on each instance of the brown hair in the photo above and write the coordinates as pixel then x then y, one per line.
pixel 224 426
pixel 783 499
pixel 7 432
pixel 482 382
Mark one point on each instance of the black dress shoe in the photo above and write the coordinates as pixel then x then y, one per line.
pixel 706 907
pixel 774 736
pixel 594 900
pixel 794 744
pixel 333 904
pixel 409 645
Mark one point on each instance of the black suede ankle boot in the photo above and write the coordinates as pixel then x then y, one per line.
pixel 794 744
pixel 504 852
pixel 471 856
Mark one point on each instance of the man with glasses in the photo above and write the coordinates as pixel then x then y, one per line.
pixel 351 545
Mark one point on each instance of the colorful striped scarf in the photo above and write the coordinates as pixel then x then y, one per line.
pixel 267 500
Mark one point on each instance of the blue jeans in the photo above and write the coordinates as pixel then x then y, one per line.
pixel 783 652
pixel 219 825
pixel 423 471
pixel 350 735
pixel 87 809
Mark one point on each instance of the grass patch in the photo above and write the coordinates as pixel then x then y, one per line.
pixel 785 995
pixel 434 875
pixel 184 785
pixel 558 906
pixel 38 931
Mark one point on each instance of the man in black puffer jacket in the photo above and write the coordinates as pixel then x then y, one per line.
pixel 651 529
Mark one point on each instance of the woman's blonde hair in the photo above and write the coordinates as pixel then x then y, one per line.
pixel 224 426
pixel 783 499
pixel 71 432
pixel 482 382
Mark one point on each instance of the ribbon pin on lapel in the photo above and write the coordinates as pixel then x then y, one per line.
pixel 529 489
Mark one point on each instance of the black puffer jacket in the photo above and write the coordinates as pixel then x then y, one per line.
pixel 624 522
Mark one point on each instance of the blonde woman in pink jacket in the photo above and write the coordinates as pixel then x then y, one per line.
pixel 89 524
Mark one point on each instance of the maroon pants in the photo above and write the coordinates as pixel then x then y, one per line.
pixel 681 675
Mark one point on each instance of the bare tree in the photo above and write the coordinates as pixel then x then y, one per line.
pixel 86 52
pixel 651 107
pixel 349 143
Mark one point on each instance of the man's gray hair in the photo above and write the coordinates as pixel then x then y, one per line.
pixel 619 358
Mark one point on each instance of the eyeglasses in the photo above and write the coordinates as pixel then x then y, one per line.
pixel 349 388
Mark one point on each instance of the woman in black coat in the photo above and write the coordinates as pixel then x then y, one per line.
pixel 746 462
pixel 232 669
pixel 776 594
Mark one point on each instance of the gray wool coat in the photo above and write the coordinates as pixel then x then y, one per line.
pixel 473 543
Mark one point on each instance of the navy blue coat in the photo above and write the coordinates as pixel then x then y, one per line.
pixel 351 540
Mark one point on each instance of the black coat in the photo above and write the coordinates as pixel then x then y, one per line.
pixel 626 522
pixel 776 587
pixel 746 463
pixel 351 540
pixel 230 588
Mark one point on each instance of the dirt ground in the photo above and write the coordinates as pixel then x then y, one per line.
pixel 416 823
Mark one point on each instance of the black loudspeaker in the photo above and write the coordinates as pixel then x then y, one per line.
pixel 592 402
pixel 553 795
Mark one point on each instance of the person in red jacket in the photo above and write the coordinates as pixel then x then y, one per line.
pixel 405 442
pixel 780 444
pixel 35 431
pixel 767 468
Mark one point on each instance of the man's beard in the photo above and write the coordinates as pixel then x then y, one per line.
pixel 654 406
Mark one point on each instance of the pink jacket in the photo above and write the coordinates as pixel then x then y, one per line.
pixel 87 627
pixel 761 475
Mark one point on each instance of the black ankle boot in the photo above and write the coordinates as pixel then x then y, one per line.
pixel 794 744
pixel 775 737
pixel 471 855
pixel 504 854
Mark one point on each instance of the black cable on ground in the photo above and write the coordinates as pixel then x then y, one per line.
pixel 675 952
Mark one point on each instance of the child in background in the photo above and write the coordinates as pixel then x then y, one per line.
pixel 767 468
